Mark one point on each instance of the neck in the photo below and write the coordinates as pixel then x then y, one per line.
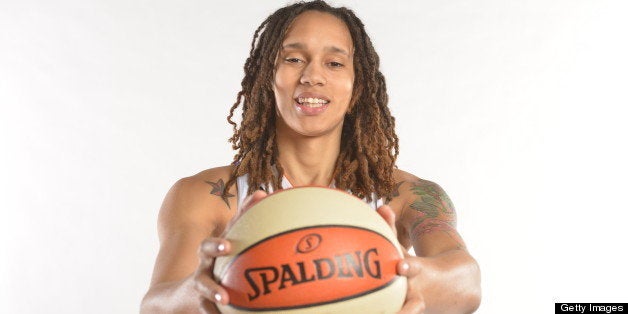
pixel 308 160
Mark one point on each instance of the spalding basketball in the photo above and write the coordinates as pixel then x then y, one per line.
pixel 311 250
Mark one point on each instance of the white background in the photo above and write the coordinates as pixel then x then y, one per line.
pixel 515 107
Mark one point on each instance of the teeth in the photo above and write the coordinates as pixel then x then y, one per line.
pixel 312 102
pixel 311 105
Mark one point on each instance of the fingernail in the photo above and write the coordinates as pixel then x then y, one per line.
pixel 217 297
pixel 220 247
pixel 405 266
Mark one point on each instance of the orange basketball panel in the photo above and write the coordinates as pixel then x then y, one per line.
pixel 310 266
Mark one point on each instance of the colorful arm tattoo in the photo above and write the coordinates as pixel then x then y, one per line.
pixel 435 211
pixel 218 189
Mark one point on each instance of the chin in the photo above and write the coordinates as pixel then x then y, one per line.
pixel 312 133
pixel 334 130
pixel 310 128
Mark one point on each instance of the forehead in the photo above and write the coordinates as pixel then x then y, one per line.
pixel 318 29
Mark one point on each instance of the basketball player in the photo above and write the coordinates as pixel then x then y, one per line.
pixel 314 113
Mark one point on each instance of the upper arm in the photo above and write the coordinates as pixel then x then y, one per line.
pixel 189 214
pixel 428 218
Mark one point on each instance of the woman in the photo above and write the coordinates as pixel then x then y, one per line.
pixel 314 113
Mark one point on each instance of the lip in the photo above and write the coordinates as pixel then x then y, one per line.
pixel 311 111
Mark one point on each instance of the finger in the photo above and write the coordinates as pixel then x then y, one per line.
pixel 389 215
pixel 214 247
pixel 208 289
pixel 208 307
pixel 410 266
pixel 203 281
pixel 248 202
pixel 251 200
pixel 413 305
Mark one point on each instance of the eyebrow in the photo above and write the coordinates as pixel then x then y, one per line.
pixel 300 46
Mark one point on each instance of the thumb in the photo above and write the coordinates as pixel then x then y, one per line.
pixel 248 202
pixel 410 266
pixel 251 200
pixel 389 215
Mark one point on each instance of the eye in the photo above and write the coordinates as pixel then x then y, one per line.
pixel 293 60
pixel 335 64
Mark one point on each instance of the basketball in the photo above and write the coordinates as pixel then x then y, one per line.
pixel 311 250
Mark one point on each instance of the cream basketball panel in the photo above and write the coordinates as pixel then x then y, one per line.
pixel 314 206
pixel 384 301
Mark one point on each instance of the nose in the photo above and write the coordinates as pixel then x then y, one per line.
pixel 313 75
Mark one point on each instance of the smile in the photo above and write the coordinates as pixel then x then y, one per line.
pixel 312 102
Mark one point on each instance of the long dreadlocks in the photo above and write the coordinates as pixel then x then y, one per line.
pixel 369 145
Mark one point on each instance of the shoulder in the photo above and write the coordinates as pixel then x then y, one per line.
pixel 407 177
pixel 421 195
pixel 196 202
pixel 216 173
pixel 409 186
pixel 427 219
pixel 423 207
pixel 200 187
pixel 189 214
pixel 401 177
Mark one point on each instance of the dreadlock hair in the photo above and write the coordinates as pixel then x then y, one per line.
pixel 369 145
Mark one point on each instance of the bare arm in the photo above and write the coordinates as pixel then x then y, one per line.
pixel 191 213
pixel 443 277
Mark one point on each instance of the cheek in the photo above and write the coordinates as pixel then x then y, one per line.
pixel 348 91
pixel 283 79
pixel 278 84
pixel 347 86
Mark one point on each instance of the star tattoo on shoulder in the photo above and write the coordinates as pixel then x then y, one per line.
pixel 395 191
pixel 218 189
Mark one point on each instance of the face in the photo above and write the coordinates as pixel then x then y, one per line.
pixel 314 75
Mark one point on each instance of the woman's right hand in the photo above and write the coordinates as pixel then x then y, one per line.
pixel 211 248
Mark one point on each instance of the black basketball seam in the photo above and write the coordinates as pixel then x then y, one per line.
pixel 292 230
pixel 319 303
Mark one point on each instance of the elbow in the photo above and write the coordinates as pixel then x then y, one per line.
pixel 170 297
pixel 466 292
pixel 152 303
pixel 147 305
pixel 473 293
pixel 472 301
